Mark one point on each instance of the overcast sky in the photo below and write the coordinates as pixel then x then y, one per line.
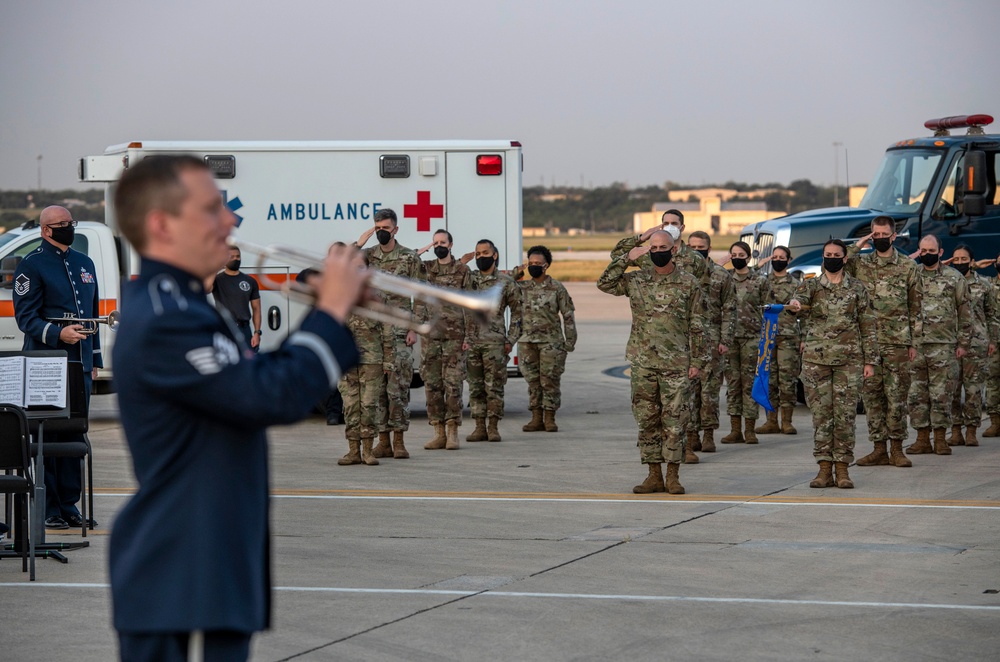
pixel 633 91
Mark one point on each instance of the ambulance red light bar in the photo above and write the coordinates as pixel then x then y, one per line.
pixel 489 164
pixel 958 122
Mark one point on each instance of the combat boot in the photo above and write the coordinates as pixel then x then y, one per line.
pixel 692 440
pixel 749 435
pixel 353 456
pixel 825 476
pixel 970 436
pixel 366 451
pixel 923 443
pixel 736 435
pixel 653 482
pixel 786 421
pixel 535 425
pixel 876 458
pixel 843 480
pixel 479 434
pixel 896 456
pixel 550 421
pixel 707 442
pixel 439 441
pixel 493 433
pixel 956 438
pixel 673 484
pixel 451 435
pixel 384 448
pixel 770 426
pixel 689 456
pixel 398 449
pixel 994 429
pixel 941 446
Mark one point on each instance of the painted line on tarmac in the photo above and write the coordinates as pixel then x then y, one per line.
pixel 749 500
pixel 568 596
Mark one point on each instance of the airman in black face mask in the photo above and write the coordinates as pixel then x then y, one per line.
pixel 993 378
pixel 786 358
pixel 239 295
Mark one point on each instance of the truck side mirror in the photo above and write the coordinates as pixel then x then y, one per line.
pixel 8 266
pixel 974 201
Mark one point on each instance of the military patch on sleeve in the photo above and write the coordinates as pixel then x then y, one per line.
pixel 210 360
pixel 22 285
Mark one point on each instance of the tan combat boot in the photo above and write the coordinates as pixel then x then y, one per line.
pixel 994 429
pixel 749 435
pixel 876 458
pixel 451 435
pixel 956 438
pixel 692 440
pixel 896 456
pixel 689 456
pixel 941 446
pixel 550 421
pixel 398 449
pixel 479 434
pixel 535 425
pixel 970 436
pixel 843 480
pixel 786 421
pixel 735 436
pixel 673 485
pixel 384 448
pixel 493 433
pixel 825 476
pixel 770 426
pixel 439 441
pixel 353 456
pixel 923 443
pixel 707 442
pixel 366 452
pixel 653 482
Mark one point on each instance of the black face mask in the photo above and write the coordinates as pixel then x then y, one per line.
pixel 962 267
pixel 739 262
pixel 833 264
pixel 703 253
pixel 661 258
pixel 882 244
pixel 63 236
pixel 779 265
pixel 233 265
pixel 441 252
pixel 484 263
pixel 536 270
pixel 383 236
pixel 929 259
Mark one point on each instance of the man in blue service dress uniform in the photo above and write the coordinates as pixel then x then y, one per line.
pixel 49 283
pixel 189 553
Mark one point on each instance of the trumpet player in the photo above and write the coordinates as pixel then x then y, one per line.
pixel 51 282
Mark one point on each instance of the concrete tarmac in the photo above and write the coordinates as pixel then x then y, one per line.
pixel 535 548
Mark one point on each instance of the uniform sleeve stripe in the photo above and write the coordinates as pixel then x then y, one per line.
pixel 45 332
pixel 322 350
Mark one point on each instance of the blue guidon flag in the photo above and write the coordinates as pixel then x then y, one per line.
pixel 765 353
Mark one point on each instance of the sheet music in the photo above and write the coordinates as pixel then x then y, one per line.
pixel 45 382
pixel 12 380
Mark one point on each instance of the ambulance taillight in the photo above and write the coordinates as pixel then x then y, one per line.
pixel 489 164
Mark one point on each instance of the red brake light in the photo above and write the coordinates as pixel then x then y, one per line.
pixel 958 121
pixel 489 164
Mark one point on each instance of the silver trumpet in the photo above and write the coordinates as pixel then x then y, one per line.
pixel 89 324
pixel 483 305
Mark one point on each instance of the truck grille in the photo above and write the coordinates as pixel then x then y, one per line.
pixel 761 248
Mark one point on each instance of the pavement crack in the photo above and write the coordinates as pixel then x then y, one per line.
pixel 579 558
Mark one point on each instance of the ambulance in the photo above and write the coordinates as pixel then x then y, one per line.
pixel 307 195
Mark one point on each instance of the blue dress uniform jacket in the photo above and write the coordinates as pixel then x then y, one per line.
pixel 190 551
pixel 49 283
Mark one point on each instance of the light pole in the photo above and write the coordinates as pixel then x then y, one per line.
pixel 836 173
pixel 39 188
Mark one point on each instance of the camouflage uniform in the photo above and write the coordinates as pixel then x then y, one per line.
pixel 400 261
pixel 942 323
pixel 993 362
pixel 687 259
pixel 973 367
pixel 363 387
pixel 666 339
pixel 717 304
pixel 839 332
pixel 487 356
pixel 787 360
pixel 893 288
pixel 750 292
pixel 542 348
pixel 442 364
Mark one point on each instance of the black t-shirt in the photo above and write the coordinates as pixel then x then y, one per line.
pixel 234 293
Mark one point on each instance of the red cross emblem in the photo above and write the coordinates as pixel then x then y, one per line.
pixel 423 211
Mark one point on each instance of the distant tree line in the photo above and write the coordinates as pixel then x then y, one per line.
pixel 18 207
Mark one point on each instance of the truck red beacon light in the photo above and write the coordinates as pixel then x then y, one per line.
pixel 942 124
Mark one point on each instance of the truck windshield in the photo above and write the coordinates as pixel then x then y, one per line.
pixel 902 181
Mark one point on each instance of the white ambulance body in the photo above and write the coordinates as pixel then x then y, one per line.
pixel 308 195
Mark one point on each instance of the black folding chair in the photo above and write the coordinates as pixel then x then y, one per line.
pixel 16 480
